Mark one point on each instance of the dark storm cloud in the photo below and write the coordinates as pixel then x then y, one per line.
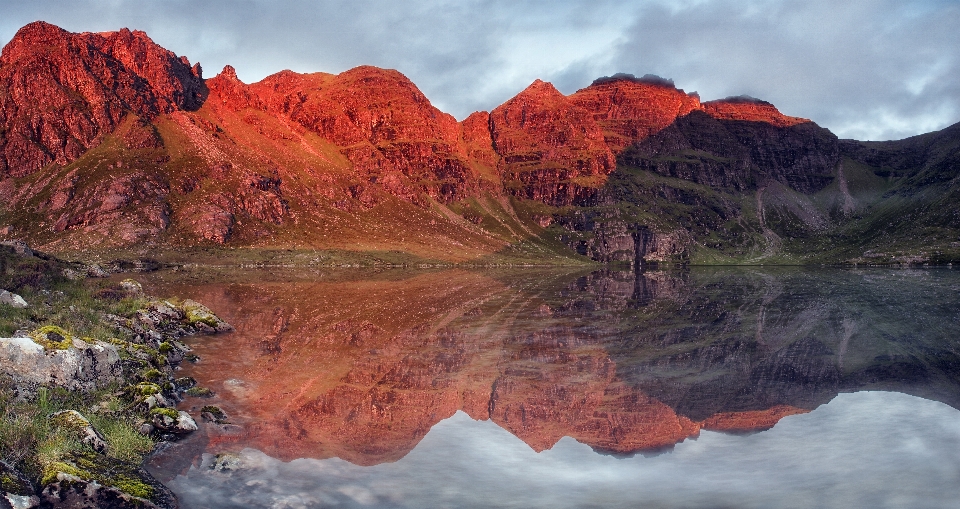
pixel 874 69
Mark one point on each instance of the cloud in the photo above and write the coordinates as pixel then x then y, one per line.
pixel 871 69
pixel 875 69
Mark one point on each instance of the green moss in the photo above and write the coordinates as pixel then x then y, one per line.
pixel 51 470
pixel 146 389
pixel 152 374
pixel 165 348
pixel 11 484
pixel 134 487
pixel 167 412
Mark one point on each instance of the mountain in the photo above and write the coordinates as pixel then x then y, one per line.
pixel 109 140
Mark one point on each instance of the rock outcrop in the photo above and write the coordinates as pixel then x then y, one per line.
pixel 12 300
pixel 394 138
pixel 740 154
pixel 749 109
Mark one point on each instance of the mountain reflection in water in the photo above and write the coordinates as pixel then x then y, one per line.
pixel 361 367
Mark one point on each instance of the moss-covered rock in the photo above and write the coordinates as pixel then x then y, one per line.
pixel 52 337
pixel 91 480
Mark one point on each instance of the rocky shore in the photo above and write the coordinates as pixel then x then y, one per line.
pixel 88 383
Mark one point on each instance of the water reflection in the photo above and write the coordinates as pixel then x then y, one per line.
pixel 865 450
pixel 362 367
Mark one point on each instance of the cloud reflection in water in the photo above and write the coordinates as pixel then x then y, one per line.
pixel 867 449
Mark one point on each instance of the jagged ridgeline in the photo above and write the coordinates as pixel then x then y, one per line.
pixel 109 140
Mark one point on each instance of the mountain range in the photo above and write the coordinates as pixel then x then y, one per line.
pixel 109 142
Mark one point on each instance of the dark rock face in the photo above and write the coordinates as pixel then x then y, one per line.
pixel 739 154
pixel 61 93
pixel 76 494
pixel 931 158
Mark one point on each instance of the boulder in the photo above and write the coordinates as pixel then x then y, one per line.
pixel 78 366
pixel 203 319
pixel 12 299
pixel 164 420
pixel 131 287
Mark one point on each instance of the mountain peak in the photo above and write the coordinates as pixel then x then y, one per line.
pixel 229 73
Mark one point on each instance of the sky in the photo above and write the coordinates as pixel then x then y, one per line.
pixel 865 69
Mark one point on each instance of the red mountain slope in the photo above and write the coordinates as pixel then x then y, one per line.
pixel 110 139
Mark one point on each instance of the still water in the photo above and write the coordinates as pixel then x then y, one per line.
pixel 705 388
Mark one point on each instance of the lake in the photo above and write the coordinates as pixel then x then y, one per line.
pixel 702 388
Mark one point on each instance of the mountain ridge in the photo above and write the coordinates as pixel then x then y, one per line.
pixel 113 140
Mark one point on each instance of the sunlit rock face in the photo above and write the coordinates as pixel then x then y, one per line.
pixel 551 149
pixel 630 109
pixel 625 363
pixel 749 109
pixel 378 119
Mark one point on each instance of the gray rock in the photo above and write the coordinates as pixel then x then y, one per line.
pixel 181 425
pixel 94 270
pixel 20 247
pixel 82 366
pixel 73 274
pixel 12 299
pixel 185 423
pixel 131 287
